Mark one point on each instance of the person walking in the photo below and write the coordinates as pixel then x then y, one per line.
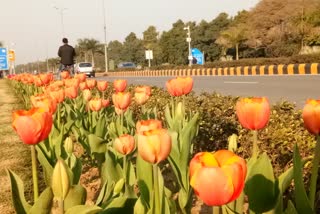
pixel 67 53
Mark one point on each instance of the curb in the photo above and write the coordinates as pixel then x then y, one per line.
pixel 290 69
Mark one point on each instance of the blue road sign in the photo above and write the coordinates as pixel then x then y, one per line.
pixel 196 53
pixel 3 59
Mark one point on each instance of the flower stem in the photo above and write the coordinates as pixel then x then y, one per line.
pixel 157 208
pixel 34 172
pixel 255 149
pixel 216 210
pixel 314 173
pixel 125 173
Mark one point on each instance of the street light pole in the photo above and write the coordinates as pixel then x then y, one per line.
pixel 189 44
pixel 105 39
pixel 61 10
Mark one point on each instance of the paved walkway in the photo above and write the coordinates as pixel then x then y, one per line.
pixel 14 154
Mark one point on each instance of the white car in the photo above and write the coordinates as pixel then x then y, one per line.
pixel 84 67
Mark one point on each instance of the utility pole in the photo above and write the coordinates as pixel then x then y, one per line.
pixel 189 44
pixel 105 39
pixel 61 10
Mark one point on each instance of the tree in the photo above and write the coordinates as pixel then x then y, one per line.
pixel 233 37
pixel 115 50
pixel 133 49
pixel 89 47
pixel 173 44
pixel 206 33
pixel 151 42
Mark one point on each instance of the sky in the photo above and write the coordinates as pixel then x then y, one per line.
pixel 35 28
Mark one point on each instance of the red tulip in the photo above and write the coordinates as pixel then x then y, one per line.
pixel 253 113
pixel 311 116
pixel 124 144
pixel 154 146
pixel 179 86
pixel 32 126
pixel 217 178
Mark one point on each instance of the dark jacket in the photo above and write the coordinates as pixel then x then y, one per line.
pixel 66 52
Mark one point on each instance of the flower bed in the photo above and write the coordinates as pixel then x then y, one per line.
pixel 150 150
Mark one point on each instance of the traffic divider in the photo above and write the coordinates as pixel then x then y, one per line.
pixel 290 69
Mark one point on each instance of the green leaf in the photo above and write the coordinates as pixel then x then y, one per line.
pixel 84 209
pixel 120 205
pixel 168 117
pixel 76 169
pixel 290 208
pixel 44 203
pixel 261 178
pixel 138 207
pixel 145 182
pixel 301 198
pixel 97 144
pixel 17 192
pixel 76 196
pixel 48 169
pixel 101 127
pixel 111 170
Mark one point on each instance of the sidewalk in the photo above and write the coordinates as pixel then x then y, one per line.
pixel 14 154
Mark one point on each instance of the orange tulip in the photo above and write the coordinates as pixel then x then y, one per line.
pixel 91 83
pixel 124 144
pixel 95 104
pixel 253 113
pixel 57 95
pixel 217 178
pixel 43 101
pixel 65 75
pixel 46 78
pixel 87 94
pixel 121 100
pixel 147 125
pixel 72 82
pixel 83 86
pixel 32 126
pixel 37 81
pixel 82 77
pixel 311 116
pixel 120 85
pixel 154 146
pixel 71 92
pixel 179 86
pixel 142 94
pixel 102 85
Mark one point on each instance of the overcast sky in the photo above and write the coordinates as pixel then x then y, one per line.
pixel 34 28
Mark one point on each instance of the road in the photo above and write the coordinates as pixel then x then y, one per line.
pixel 293 88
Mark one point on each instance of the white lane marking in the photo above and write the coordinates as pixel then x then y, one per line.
pixel 233 82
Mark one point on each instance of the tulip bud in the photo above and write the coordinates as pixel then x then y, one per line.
pixel 118 187
pixel 60 180
pixel 233 143
pixel 68 145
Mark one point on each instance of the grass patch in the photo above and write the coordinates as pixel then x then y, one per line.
pixel 14 154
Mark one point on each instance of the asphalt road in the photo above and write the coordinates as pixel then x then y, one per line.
pixel 293 88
